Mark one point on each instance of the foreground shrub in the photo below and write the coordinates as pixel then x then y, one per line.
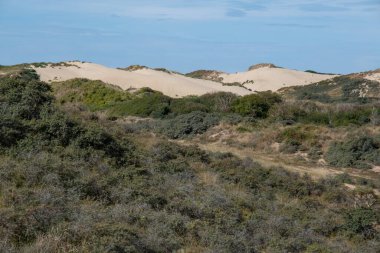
pixel 361 221
pixel 23 96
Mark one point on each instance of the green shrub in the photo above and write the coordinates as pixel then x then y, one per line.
pixel 256 105
pixel 358 153
pixel 294 138
pixel 187 105
pixel 23 96
pixel 219 101
pixel 361 221
pixel 95 95
pixel 56 127
pixel 11 131
pixel 332 115
pixel 153 104
pixel 211 102
pixel 189 124
pixel 98 139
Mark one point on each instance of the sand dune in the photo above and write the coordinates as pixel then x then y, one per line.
pixel 373 75
pixel 171 84
pixel 270 78
pixel 260 78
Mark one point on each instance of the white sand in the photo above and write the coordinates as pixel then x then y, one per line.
pixel 173 85
pixel 273 79
pixel 176 85
pixel 373 77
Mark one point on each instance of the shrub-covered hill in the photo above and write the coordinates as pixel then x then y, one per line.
pixel 212 75
pixel 351 88
pixel 83 184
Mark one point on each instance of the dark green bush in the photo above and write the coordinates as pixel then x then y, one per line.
pixel 153 104
pixel 23 96
pixel 333 115
pixel 11 131
pixel 55 126
pixel 256 105
pixel 361 221
pixel 95 95
pixel 189 124
pixel 357 152
pixel 98 139
pixel 294 138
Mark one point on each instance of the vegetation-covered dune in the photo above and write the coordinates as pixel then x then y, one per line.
pixel 88 167
pixel 350 88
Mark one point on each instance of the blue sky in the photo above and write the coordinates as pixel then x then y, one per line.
pixel 338 36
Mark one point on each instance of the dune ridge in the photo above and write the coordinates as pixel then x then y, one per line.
pixel 171 84
pixel 262 77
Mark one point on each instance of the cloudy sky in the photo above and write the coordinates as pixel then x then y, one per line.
pixel 338 36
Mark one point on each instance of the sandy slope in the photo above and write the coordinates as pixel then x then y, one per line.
pixel 173 85
pixel 374 76
pixel 266 78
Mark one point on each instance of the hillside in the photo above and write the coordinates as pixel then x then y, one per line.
pixel 353 87
pixel 86 166
pixel 169 83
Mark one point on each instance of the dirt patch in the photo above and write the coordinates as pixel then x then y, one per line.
pixel 376 169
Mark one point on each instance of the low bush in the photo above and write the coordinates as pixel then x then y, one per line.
pixel 297 137
pixel 95 95
pixel 256 105
pixel 11 131
pixel 189 124
pixel 332 115
pixel 359 152
pixel 146 104
pixel 361 221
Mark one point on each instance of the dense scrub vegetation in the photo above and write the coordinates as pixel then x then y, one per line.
pixel 338 89
pixel 362 152
pixel 91 185
pixel 192 115
pixel 333 115
pixel 96 96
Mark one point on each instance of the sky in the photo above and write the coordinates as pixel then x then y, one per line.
pixel 338 36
